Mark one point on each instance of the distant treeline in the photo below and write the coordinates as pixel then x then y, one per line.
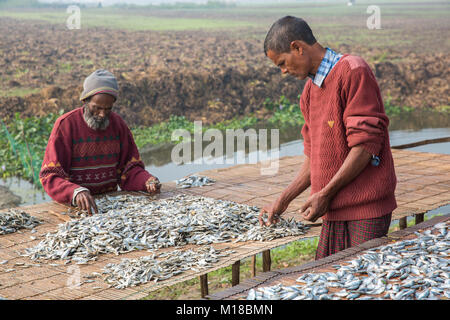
pixel 4 4
pixel 177 5
pixel 180 5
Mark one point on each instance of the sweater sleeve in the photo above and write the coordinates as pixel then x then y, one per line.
pixel 304 106
pixel 364 117
pixel 54 174
pixel 132 173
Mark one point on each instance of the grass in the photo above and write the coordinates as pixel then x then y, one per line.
pixel 133 22
pixel 411 222
pixel 20 72
pixel 65 67
pixel 18 92
pixel 331 15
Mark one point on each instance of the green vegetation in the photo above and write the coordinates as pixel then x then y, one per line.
pixel 22 146
pixel 18 92
pixel 116 19
pixel 179 5
pixel 65 67
pixel 411 222
pixel 30 135
pixel 443 109
pixel 392 109
pixel 284 114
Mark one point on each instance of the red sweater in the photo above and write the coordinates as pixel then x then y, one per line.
pixel 78 156
pixel 345 112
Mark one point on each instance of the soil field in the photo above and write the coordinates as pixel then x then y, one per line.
pixel 211 71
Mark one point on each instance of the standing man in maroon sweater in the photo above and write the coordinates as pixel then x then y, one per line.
pixel 348 161
pixel 92 151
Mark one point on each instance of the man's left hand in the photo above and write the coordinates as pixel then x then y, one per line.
pixel 315 207
pixel 153 185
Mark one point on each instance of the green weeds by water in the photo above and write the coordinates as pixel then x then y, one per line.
pixel 22 146
pixel 283 114
pixel 392 110
pixel 23 140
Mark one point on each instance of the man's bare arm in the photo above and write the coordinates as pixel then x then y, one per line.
pixel 301 182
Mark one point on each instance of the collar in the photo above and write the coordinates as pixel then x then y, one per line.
pixel 329 60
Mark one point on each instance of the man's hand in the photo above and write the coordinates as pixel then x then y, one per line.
pixel 315 207
pixel 318 204
pixel 153 185
pixel 274 210
pixel 86 202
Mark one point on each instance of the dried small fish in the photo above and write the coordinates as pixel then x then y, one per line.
pixel 128 223
pixel 405 270
pixel 194 181
pixel 132 272
pixel 14 219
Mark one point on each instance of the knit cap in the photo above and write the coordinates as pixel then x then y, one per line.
pixel 100 81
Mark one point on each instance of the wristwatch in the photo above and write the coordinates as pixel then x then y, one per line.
pixel 375 160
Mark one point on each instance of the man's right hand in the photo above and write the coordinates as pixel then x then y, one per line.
pixel 274 211
pixel 86 202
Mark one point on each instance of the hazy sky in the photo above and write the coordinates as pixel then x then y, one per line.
pixel 138 2
pixel 144 2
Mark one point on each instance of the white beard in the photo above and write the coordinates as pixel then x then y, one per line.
pixel 93 121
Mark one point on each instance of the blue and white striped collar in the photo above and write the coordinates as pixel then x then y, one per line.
pixel 328 62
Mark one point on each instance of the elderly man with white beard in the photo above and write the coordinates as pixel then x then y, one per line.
pixel 91 150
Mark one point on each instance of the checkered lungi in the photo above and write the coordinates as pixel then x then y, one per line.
pixel 339 235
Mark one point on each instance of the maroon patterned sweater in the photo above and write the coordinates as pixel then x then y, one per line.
pixel 100 160
pixel 348 111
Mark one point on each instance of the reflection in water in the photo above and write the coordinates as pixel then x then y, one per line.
pixel 419 120
pixel 25 190
pixel 403 129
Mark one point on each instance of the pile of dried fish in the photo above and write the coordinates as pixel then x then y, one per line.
pixel 194 181
pixel 134 223
pixel 132 272
pixel 15 219
pixel 284 228
pixel 405 270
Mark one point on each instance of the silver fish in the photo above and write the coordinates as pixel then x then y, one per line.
pixel 409 269
pixel 15 219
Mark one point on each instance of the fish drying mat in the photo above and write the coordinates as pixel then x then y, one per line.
pixel 288 276
pixel 22 278
pixel 423 184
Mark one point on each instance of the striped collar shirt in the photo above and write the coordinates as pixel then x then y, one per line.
pixel 328 62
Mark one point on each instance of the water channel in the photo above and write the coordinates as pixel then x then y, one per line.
pixel 403 129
